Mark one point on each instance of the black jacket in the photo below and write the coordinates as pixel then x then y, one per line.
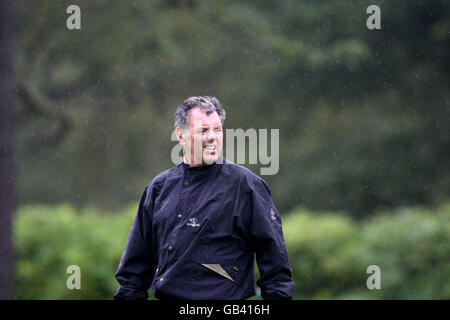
pixel 195 234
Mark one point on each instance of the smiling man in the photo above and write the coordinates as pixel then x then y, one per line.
pixel 202 136
pixel 200 224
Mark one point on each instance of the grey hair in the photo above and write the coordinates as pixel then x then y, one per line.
pixel 206 103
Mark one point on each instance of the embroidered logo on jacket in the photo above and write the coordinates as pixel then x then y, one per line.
pixel 272 214
pixel 193 222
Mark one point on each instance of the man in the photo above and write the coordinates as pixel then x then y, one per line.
pixel 200 223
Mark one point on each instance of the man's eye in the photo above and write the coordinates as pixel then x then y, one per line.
pixel 218 130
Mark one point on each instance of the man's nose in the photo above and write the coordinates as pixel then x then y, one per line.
pixel 211 136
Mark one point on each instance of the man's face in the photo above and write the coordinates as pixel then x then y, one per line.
pixel 202 140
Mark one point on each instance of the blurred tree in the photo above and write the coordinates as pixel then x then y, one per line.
pixel 363 114
pixel 7 156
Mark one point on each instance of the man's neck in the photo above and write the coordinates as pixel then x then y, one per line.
pixel 190 164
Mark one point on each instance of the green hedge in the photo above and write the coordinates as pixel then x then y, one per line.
pixel 50 238
pixel 329 252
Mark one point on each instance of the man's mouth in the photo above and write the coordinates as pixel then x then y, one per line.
pixel 210 148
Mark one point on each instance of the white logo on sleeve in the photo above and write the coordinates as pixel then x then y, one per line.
pixel 193 222
pixel 272 214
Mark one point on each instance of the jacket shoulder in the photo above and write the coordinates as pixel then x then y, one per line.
pixel 241 174
pixel 159 180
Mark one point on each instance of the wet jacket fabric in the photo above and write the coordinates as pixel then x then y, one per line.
pixel 196 233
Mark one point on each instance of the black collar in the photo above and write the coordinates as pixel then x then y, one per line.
pixel 202 168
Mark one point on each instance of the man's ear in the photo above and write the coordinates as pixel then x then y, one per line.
pixel 180 135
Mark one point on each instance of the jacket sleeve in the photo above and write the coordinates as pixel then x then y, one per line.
pixel 136 268
pixel 266 237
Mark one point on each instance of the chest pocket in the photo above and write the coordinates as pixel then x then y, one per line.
pixel 163 215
